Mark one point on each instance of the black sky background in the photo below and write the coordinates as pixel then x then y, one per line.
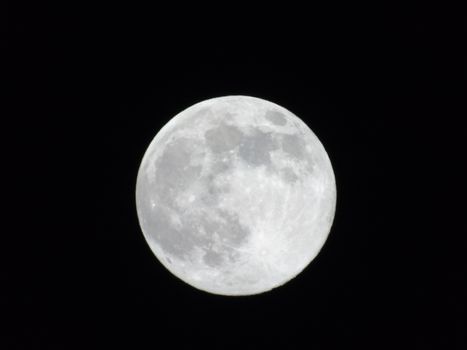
pixel 89 87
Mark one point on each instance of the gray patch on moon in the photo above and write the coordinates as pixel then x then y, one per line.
pixel 179 235
pixel 210 191
pixel 220 165
pixel 275 117
pixel 223 138
pixel 173 170
pixel 195 231
pixel 293 145
pixel 210 196
pixel 226 227
pixel 212 259
pixel 231 230
pixel 176 241
pixel 255 149
pixel 288 175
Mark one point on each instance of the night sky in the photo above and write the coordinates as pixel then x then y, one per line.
pixel 384 89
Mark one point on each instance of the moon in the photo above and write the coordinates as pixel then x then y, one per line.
pixel 235 195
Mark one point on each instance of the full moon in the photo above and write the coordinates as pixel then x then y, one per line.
pixel 235 195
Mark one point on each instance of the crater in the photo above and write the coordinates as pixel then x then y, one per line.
pixel 276 117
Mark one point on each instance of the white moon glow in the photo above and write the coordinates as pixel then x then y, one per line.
pixel 235 195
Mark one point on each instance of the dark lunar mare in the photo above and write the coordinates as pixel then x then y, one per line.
pixel 175 175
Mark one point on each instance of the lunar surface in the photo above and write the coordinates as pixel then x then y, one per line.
pixel 235 195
